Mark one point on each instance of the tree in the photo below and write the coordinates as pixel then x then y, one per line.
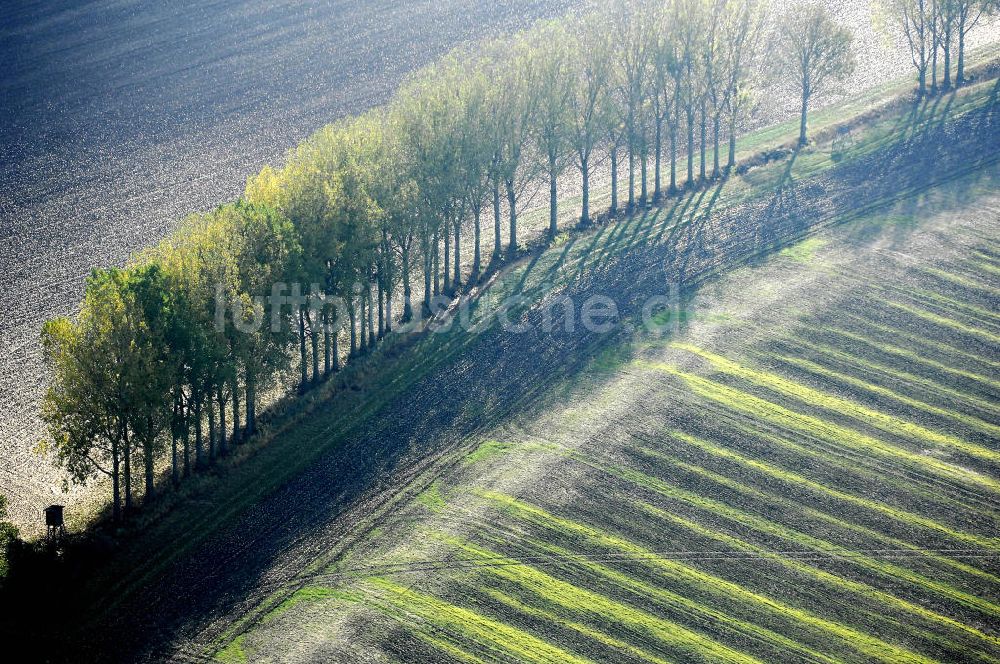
pixel 428 114
pixel 265 251
pixel 152 295
pixel 590 73
pixel 717 77
pixel 475 154
pixel 916 18
pixel 743 30
pixel 969 12
pixel 97 367
pixel 551 59
pixel 948 19
pixel 615 136
pixel 633 32
pixel 666 75
pixel 689 21
pixel 516 108
pixel 816 51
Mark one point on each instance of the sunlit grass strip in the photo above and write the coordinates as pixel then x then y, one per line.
pixel 890 569
pixel 952 503
pixel 988 266
pixel 602 609
pixel 701 613
pixel 492 634
pixel 853 381
pixel 435 641
pixel 796 480
pixel 812 397
pixel 924 341
pixel 757 407
pixel 945 322
pixel 958 280
pixel 985 316
pixel 862 591
pixel 572 625
pixel 745 519
pixel 930 302
pixel 725 590
pixel 234 652
pixel 985 254
pixel 866 365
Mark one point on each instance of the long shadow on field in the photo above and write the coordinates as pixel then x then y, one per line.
pixel 482 380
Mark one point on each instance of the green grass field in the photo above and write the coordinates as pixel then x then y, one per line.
pixel 805 468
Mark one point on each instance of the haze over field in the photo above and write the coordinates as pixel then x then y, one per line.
pixel 118 120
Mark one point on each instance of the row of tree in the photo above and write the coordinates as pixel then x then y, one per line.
pixel 166 360
pixel 933 29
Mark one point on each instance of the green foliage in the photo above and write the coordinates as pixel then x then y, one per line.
pixel 185 335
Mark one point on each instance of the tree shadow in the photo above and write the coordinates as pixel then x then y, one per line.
pixel 469 383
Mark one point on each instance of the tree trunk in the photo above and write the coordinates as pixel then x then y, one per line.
pixel 427 277
pixel 447 254
pixel 922 71
pixel 690 150
pixel 116 492
pixel 512 211
pixel 174 426
pixel 947 61
pixel 363 324
pixel 553 201
pixel 614 180
pixel 477 213
pixel 303 365
pixel 497 240
pixel 435 257
pixel 187 438
pixel 702 170
pixel 223 443
pixel 934 61
pixel 211 426
pixel 457 272
pixel 326 342
pixel 657 149
pixel 643 187
pixel 381 307
pixel 731 163
pixel 716 130
pixel 336 350
pixel 631 178
pixel 803 127
pixel 371 320
pixel 352 315
pixel 673 156
pixel 128 474
pixel 314 337
pixel 585 174
pixel 407 290
pixel 237 431
pixel 388 308
pixel 251 405
pixel 147 458
pixel 960 77
pixel 197 432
